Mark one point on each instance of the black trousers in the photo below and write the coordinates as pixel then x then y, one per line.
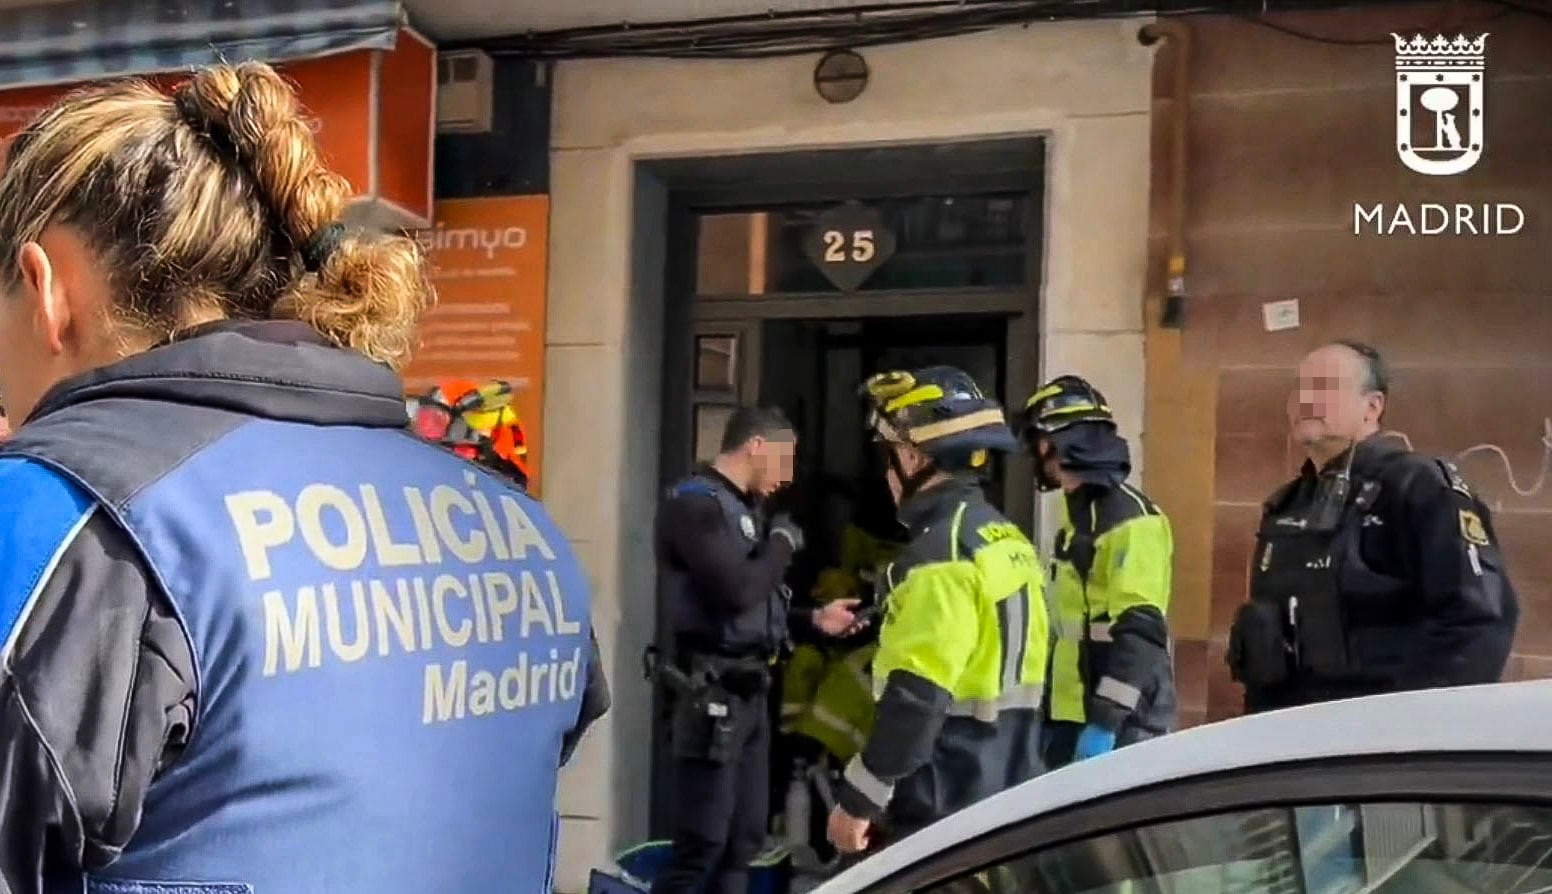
pixel 720 809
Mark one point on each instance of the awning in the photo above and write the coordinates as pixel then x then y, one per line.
pixel 68 41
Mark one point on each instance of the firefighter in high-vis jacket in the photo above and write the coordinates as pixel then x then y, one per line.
pixel 962 651
pixel 477 421
pixel 826 693
pixel 1112 683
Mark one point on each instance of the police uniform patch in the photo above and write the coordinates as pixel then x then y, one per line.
pixel 1471 528
pixel 746 524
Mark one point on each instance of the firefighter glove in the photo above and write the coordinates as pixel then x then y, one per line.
pixel 1093 741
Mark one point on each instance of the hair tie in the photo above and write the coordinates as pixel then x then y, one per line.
pixel 320 245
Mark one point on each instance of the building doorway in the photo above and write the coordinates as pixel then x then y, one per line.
pixel 946 243
pixel 811 369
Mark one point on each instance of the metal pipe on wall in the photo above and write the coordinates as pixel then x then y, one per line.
pixel 1179 37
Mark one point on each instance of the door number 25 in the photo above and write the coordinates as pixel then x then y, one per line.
pixel 861 250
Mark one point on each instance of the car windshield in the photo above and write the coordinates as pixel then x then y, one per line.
pixel 1375 848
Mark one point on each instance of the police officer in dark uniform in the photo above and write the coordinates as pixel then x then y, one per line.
pixel 1376 569
pixel 722 564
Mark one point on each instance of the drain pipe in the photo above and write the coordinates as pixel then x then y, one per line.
pixel 1179 37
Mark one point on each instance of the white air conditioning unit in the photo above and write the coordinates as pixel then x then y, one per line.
pixel 465 91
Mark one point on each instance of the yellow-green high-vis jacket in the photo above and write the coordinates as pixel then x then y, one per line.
pixel 1111 585
pixel 961 664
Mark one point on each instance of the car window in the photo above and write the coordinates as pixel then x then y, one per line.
pixel 1368 848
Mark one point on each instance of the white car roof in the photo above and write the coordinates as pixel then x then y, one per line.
pixel 1505 717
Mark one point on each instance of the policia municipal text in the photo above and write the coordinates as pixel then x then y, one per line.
pixel 199 358
pixel 479 422
pixel 1111 677
pixel 722 564
pixel 1376 569
pixel 961 662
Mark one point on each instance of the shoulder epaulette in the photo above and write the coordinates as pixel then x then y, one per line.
pixel 692 486
pixel 1453 477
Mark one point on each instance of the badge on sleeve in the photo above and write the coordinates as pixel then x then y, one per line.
pixel 1471 528
pixel 746 525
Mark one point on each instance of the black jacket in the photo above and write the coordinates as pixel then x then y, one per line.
pixel 1426 595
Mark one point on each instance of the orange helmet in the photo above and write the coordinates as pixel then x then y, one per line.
pixel 476 421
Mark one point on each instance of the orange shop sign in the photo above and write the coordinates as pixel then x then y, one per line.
pixel 377 115
pixel 488 262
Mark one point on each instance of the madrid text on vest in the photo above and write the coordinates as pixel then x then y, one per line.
pixel 1435 219
pixel 472 573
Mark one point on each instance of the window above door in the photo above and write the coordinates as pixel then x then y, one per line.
pixel 920 243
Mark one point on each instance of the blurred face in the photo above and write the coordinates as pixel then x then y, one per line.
pixel 1048 464
pixel 1332 403
pixel 910 461
pixel 770 463
pixel 52 319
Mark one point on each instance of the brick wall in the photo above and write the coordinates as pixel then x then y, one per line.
pixel 1286 135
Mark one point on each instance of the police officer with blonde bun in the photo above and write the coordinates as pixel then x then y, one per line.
pixel 255 636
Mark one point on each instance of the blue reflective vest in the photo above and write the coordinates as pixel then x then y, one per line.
pixel 390 645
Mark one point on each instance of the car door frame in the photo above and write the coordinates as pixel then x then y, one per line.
pixel 1519 778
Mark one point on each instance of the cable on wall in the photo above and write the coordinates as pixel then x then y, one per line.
pixel 1506 8
pixel 801 32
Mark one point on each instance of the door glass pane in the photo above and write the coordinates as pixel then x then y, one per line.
pixel 710 420
pixel 716 362
pixel 979 360
pixel 940 242
pixel 1389 848
pixel 844 435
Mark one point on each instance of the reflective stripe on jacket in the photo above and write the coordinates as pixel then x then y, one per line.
pixel 961 663
pixel 1111 587
pixel 839 714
